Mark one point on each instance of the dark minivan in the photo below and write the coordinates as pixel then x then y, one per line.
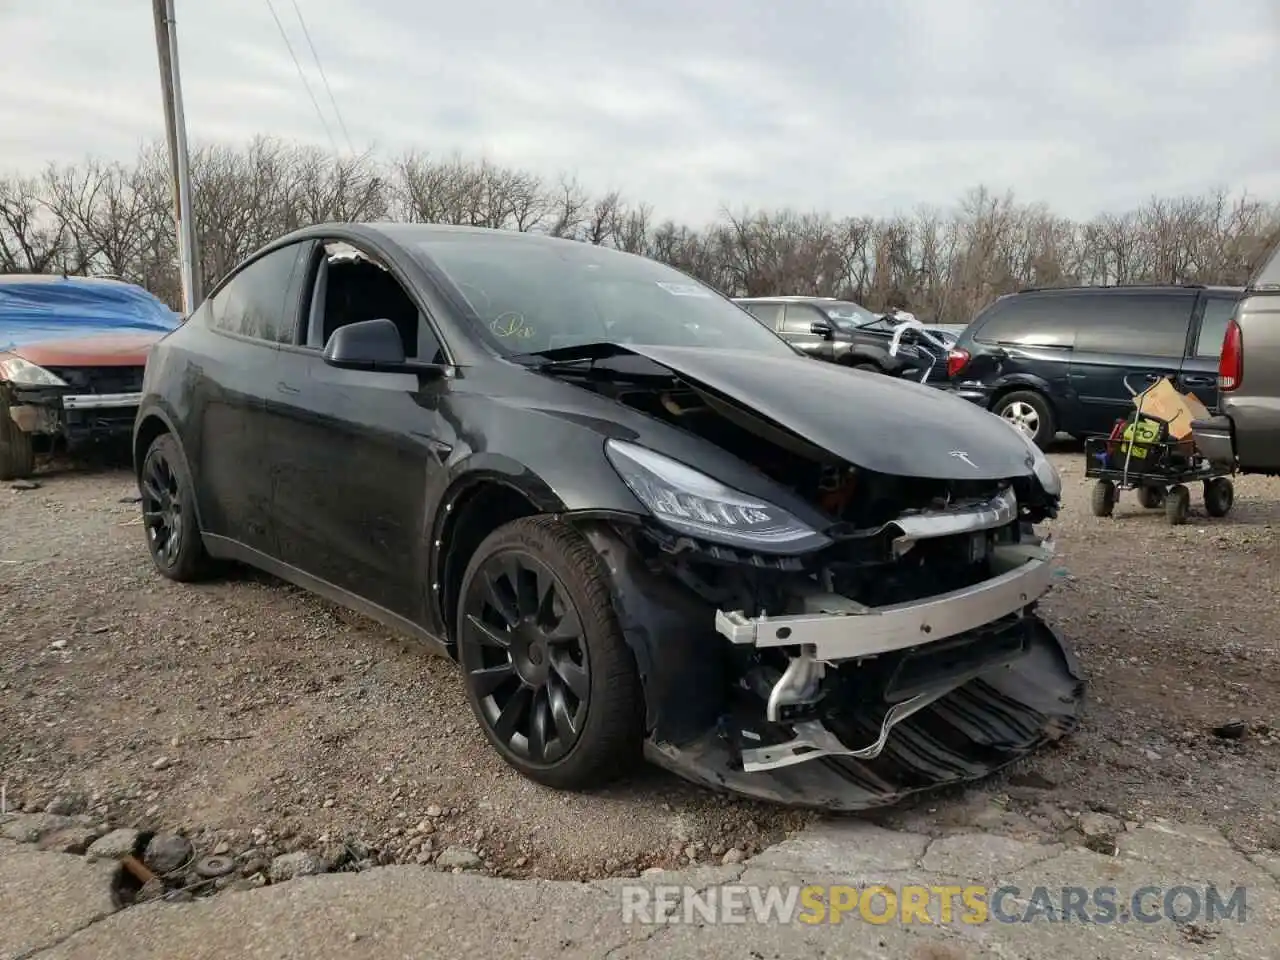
pixel 1050 360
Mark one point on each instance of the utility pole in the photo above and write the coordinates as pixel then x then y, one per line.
pixel 179 163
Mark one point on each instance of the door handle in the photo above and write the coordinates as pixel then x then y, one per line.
pixel 286 388
pixel 1200 381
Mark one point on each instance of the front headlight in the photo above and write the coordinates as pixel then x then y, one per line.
pixel 1045 471
pixel 693 503
pixel 22 373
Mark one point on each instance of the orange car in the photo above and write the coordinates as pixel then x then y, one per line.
pixel 72 354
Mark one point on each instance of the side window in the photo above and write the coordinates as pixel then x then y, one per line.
pixel 261 301
pixel 351 287
pixel 1030 321
pixel 1213 326
pixel 800 317
pixel 770 314
pixel 1149 325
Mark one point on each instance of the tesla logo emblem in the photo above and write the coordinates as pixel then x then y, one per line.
pixel 962 455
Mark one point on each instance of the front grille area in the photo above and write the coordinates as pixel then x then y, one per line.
pixel 100 379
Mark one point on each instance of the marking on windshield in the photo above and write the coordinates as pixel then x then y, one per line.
pixel 683 289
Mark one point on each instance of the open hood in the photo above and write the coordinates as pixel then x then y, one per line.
pixel 875 422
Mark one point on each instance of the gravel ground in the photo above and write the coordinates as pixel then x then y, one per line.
pixel 259 720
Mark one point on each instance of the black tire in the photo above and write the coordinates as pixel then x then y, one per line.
pixel 1030 412
pixel 572 674
pixel 169 513
pixel 1151 497
pixel 1177 505
pixel 1219 495
pixel 869 367
pixel 17 456
pixel 1103 499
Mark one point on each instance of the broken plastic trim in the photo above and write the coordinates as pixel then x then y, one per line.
pixel 872 630
pixel 813 740
pixel 1000 510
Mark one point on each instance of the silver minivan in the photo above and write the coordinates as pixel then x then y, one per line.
pixel 1246 431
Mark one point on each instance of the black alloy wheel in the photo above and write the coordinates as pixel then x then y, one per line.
pixel 168 513
pixel 532 670
pixel 547 668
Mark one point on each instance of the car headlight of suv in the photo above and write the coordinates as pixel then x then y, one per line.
pixel 23 373
pixel 690 502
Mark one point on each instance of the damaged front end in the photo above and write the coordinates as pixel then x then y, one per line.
pixel 896 650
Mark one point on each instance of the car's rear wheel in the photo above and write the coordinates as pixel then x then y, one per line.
pixel 17 456
pixel 868 367
pixel 1030 413
pixel 547 670
pixel 169 512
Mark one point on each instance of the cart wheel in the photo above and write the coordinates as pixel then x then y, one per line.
pixel 1219 494
pixel 1151 497
pixel 1176 504
pixel 1104 498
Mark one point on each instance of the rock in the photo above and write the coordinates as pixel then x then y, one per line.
pixel 457 857
pixel 161 763
pixel 247 883
pixel 1231 730
pixel 287 866
pixel 30 827
pixel 167 852
pixel 1099 825
pixel 732 856
pixel 116 844
pixel 153 889
pixel 25 485
pixel 222 849
pixel 652 872
pixel 434 811
pixel 70 840
pixel 58 645
pixel 64 806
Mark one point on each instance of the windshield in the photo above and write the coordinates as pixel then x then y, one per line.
pixel 532 297
pixel 847 315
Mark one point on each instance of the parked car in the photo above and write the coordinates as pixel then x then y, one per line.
pixel 1056 360
pixel 839 331
pixel 1246 432
pixel 72 352
pixel 636 517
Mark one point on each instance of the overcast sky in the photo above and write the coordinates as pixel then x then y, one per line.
pixel 851 106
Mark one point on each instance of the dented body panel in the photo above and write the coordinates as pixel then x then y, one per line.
pixel 899 648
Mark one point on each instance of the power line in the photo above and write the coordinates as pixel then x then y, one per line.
pixel 302 75
pixel 323 76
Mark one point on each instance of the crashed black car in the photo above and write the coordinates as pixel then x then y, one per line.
pixel 637 518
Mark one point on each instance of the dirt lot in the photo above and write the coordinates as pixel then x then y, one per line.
pixel 251 715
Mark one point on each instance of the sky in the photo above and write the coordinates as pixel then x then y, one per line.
pixel 851 107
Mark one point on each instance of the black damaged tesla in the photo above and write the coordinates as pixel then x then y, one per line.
pixel 641 522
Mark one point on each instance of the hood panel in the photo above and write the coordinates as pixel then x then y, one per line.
pixel 106 350
pixel 873 421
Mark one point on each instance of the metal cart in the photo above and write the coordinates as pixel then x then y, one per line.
pixel 1139 455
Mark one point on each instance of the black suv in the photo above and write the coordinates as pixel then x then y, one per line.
pixel 1050 360
pixel 840 331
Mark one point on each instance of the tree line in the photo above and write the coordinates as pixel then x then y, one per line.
pixel 111 218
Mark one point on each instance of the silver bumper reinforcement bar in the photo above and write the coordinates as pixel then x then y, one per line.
pixel 1027 573
pixel 100 401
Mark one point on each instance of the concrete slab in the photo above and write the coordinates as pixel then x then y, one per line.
pixel 46 897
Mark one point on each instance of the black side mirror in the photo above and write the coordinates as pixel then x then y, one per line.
pixel 367 345
pixel 821 328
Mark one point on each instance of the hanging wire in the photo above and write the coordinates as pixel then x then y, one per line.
pixel 324 78
pixel 302 75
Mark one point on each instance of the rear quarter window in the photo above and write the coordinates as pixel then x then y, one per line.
pixel 1043 321
pixel 1213 326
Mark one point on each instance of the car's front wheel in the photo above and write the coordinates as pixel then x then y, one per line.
pixel 169 512
pixel 547 670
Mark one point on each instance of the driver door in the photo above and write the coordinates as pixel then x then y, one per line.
pixel 355 451
pixel 797 329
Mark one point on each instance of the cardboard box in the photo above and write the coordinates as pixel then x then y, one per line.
pixel 1163 401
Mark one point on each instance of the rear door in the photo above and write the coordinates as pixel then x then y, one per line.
pixel 1200 368
pixel 1126 339
pixel 248 317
